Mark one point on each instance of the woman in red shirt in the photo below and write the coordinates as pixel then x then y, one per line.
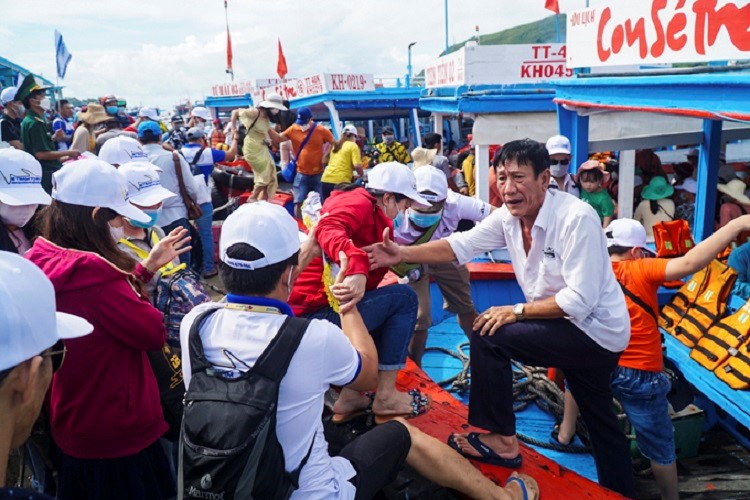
pixel 351 220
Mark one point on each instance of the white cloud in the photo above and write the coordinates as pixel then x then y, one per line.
pixel 159 53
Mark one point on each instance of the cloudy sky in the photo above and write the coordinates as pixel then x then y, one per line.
pixel 160 52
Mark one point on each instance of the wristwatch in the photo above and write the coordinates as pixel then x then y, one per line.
pixel 518 311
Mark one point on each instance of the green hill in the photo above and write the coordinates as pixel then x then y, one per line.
pixel 542 31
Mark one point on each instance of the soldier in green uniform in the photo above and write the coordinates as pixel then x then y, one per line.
pixel 35 136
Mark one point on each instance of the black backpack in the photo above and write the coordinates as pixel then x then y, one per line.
pixel 228 444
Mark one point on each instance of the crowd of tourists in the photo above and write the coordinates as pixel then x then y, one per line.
pixel 106 249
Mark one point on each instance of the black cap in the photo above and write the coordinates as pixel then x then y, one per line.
pixel 387 131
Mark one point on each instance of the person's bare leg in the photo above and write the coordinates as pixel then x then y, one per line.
pixel 570 417
pixel 466 322
pixel 438 463
pixel 504 446
pixel 666 480
pixel 417 346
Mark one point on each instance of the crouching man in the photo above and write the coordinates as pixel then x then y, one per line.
pixel 261 257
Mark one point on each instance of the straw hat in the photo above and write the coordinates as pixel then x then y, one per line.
pixel 94 114
pixel 657 189
pixel 423 157
pixel 735 189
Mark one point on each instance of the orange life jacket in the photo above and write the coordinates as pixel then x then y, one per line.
pixel 672 238
pixel 723 339
pixel 735 370
pixel 689 315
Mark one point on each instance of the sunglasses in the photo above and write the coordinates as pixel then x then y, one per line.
pixel 564 163
pixel 56 353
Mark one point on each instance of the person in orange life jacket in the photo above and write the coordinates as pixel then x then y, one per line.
pixel 21 194
pixel 638 381
pixel 447 210
pixel 33 336
pixel 352 219
pixel 146 193
pixel 109 450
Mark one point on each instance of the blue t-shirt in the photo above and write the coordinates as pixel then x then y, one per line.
pixel 739 260
pixel 202 165
pixel 60 123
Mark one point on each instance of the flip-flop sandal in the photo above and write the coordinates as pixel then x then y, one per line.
pixel 342 418
pixel 486 454
pixel 420 404
pixel 521 484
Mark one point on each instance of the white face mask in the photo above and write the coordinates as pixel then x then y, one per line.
pixel 305 127
pixel 17 216
pixel 558 170
pixel 45 104
pixel 117 233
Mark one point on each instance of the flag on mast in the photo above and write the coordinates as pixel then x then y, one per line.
pixel 229 69
pixel 62 55
pixel 281 68
pixel 552 5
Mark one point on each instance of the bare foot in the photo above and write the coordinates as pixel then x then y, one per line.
pixel 392 403
pixel 349 402
pixel 504 446
pixel 515 490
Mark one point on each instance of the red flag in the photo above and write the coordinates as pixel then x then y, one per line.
pixel 552 5
pixel 281 68
pixel 229 52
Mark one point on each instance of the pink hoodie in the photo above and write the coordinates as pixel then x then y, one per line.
pixel 104 401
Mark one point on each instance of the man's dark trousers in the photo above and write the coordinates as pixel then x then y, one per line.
pixel 588 370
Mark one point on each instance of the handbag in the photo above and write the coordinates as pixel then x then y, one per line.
pixel 193 209
pixel 290 169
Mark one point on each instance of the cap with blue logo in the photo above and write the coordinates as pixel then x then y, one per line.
pixel 144 185
pixel 21 179
pixel 121 150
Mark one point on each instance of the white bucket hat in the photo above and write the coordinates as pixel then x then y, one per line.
pixel 21 179
pixel 29 324
pixel 144 185
pixel 262 225
pixel 121 150
pixel 395 177
pixel 94 183
pixel 274 101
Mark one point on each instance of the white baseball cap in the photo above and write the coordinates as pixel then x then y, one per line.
pixel 29 323
pixel 121 150
pixel 21 179
pixel 350 129
pixel 8 94
pixel 144 185
pixel 627 233
pixel 201 112
pixel 262 225
pixel 558 144
pixel 431 179
pixel 94 183
pixel 274 101
pixel 150 113
pixel 395 177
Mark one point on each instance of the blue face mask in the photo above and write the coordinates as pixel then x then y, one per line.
pixel 424 220
pixel 112 110
pixel 398 220
pixel 154 214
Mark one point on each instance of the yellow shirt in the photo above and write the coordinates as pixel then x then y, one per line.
pixel 468 169
pixel 341 164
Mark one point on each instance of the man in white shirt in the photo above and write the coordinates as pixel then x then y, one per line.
pixel 429 224
pixel 558 147
pixel 260 257
pixel 574 318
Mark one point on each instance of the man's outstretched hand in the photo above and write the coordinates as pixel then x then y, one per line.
pixel 385 254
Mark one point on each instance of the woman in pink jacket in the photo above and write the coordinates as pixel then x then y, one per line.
pixel 105 413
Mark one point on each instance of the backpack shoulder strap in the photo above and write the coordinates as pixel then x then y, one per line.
pixel 307 138
pixel 274 361
pixel 197 156
pixel 198 361
pixel 639 302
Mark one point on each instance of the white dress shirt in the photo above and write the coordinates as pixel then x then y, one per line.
pixel 568 260
pixel 173 208
pixel 569 186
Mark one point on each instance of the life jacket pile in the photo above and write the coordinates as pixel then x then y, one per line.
pixel 672 238
pixel 723 340
pixel 698 304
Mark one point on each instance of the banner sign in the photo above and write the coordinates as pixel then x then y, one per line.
pixel 659 31
pixel 232 89
pixel 317 85
pixel 499 65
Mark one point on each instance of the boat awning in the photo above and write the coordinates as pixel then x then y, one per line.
pixel 482 99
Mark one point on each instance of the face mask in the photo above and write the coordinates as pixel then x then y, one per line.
pixel 112 110
pixel 154 214
pixel 45 104
pixel 558 170
pixel 117 233
pixel 389 139
pixel 17 215
pixel 305 127
pixel 20 110
pixel 200 125
pixel 424 220
pixel 398 219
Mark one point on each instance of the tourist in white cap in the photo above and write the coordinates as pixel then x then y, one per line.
pixel 202 118
pixel 21 194
pixel 260 253
pixel 353 219
pixel 10 122
pixel 121 150
pixel 558 147
pixel 105 411
pixel 432 223
pixel 258 125
pixel 145 192
pixel 31 336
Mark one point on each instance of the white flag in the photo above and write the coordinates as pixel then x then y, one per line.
pixel 62 55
